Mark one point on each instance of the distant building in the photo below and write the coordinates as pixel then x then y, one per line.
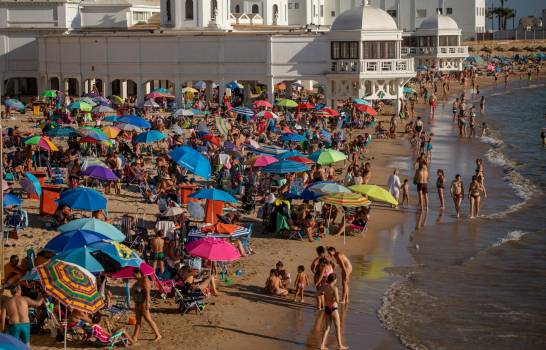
pixel 530 23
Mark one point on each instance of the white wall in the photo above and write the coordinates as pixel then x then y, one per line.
pixel 105 16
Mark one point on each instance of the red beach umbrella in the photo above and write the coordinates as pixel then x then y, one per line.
pixel 366 109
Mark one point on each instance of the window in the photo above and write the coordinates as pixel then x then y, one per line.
pixel 255 8
pixel 296 5
pixel 168 12
pixel 275 11
pixel 314 10
pixel 321 10
pixel 439 10
pixel 139 16
pixel 392 13
pixel 345 50
pixel 214 9
pixel 333 13
pixel 290 6
pixel 421 13
pixel 237 9
pixel 189 9
pixel 378 49
pixel 449 10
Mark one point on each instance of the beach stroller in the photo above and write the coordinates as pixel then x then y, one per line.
pixel 100 337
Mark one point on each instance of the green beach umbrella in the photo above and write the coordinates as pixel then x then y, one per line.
pixel 49 93
pixel 82 106
pixel 327 156
pixel 287 103
pixel 375 193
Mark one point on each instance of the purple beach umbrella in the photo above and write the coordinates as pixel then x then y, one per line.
pixel 101 173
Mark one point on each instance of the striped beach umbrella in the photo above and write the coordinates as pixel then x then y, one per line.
pixel 242 110
pixel 70 284
pixel 350 200
pixel 221 125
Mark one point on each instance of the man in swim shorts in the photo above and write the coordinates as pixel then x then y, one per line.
pixel 16 310
pixel 157 254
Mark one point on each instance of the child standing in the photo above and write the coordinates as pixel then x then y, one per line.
pixel 300 283
pixel 405 193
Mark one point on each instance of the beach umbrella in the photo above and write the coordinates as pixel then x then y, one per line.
pixel 304 195
pixel 212 139
pixel 31 184
pixel 331 112
pixel 103 101
pixel 191 160
pixel 82 198
pixel 375 193
pixel 103 109
pixel 5 185
pixel 80 105
pixel 422 68
pixel 267 115
pixel 289 154
pixel 183 113
pixel 213 249
pixel 129 127
pixel 14 104
pixel 89 161
pixel 7 342
pixel 189 90
pixel 360 101
pixel 327 156
pixel 177 129
pixel 200 85
pixel 242 110
pixel 301 159
pixel 83 258
pixel 41 141
pixel 100 173
pixel 94 225
pixel 73 239
pixel 297 85
pixel 285 167
pixel 11 200
pixel 114 253
pixel 127 272
pixel 261 161
pixel 110 118
pixel 306 105
pixel 149 137
pixel 62 132
pixel 287 103
pixel 262 103
pixel 280 86
pixel 111 131
pixel 366 109
pixel 289 137
pixel 49 93
pixel 234 85
pixel 136 121
pixel 94 133
pixel 350 200
pixel 173 211
pixel 116 100
pixel 327 187
pixel 213 194
pixel 162 90
pixel 71 284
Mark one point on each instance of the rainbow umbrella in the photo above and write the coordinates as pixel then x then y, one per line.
pixel 71 284
pixel 41 141
pixel 213 249
pixel 31 184
pixel 375 193
pixel 350 200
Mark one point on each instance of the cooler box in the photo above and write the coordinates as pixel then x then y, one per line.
pixel 212 209
pixel 48 204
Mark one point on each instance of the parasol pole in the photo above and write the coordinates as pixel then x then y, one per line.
pixel 65 324
pixel 2 199
pixel 344 227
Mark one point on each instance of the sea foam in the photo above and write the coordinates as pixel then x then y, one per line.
pixel 510 237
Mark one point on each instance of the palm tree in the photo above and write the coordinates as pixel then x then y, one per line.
pixel 490 14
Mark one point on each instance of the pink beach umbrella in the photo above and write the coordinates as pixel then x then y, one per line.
pixel 261 161
pixel 127 272
pixel 213 249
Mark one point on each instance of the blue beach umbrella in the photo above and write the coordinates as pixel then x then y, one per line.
pixel 110 118
pixel 200 85
pixel 62 132
pixel 135 121
pixel 242 110
pixel 73 239
pixel 191 160
pixel 360 101
pixel 149 136
pixel 15 104
pixel 81 257
pixel 304 195
pixel 285 167
pixel 234 85
pixel 112 251
pixel 292 153
pixel 31 184
pixel 7 342
pixel 11 200
pixel 213 194
pixel 81 198
pixel 288 137
pixel 94 225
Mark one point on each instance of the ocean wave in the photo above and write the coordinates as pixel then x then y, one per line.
pixel 491 141
pixel 510 237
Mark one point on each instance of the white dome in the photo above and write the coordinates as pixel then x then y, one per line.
pixel 438 21
pixel 365 17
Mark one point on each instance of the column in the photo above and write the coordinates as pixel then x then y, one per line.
pixel 399 95
pixel 66 86
pixel 246 91
pixel 178 85
pixel 123 88
pixel 107 87
pixel 140 91
pixel 147 87
pixel 208 90
pixel 15 87
pixel 270 90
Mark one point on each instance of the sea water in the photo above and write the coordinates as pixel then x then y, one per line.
pixel 481 283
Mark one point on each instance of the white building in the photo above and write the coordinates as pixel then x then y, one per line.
pixel 436 44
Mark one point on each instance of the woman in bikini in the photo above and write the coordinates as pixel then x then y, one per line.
pixel 440 187
pixel 322 271
pixel 331 299
pixel 474 194
pixel 457 193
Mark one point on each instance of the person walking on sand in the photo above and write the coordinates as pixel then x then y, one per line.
pixel 16 310
pixel 141 298
pixel 440 186
pixel 346 270
pixel 457 193
pixel 474 195
pixel 421 180
pixel 482 105
pixel 395 184
pixel 331 300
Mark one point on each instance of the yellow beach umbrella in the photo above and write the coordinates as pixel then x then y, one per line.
pixel 189 89
pixel 375 193
pixel 111 131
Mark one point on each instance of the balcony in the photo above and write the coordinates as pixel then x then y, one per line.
pixel 442 51
pixel 385 66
